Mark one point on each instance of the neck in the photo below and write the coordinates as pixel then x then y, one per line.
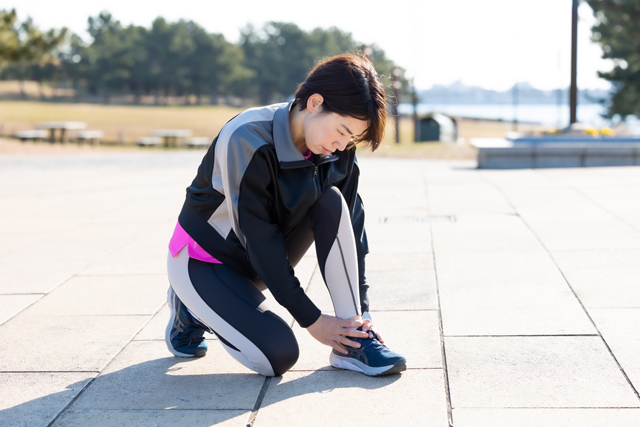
pixel 296 124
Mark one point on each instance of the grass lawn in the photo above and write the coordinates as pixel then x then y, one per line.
pixel 125 124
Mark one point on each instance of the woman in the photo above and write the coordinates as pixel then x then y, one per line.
pixel 275 180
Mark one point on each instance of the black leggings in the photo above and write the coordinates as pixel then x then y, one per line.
pixel 233 305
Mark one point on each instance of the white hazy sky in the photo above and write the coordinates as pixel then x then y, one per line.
pixel 488 43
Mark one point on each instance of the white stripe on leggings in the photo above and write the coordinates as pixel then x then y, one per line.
pixel 249 355
pixel 341 269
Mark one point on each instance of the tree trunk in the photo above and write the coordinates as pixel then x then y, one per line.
pixel 23 95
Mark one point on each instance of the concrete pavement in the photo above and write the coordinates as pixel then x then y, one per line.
pixel 513 294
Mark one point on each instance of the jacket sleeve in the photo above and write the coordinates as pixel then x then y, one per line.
pixel 348 186
pixel 264 240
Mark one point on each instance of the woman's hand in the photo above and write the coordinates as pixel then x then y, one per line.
pixel 368 326
pixel 333 331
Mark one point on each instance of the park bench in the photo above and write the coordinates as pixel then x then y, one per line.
pixel 92 136
pixel 35 134
pixel 63 127
pixel 172 137
pixel 198 142
pixel 149 141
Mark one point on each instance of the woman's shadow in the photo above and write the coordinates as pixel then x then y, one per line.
pixel 157 392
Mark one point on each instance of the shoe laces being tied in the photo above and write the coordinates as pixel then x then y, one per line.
pixel 367 344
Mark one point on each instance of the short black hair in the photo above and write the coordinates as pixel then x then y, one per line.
pixel 351 87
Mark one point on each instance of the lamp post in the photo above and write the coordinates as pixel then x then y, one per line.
pixel 397 85
pixel 573 91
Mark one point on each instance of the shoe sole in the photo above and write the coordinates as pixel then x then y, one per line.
pixel 348 363
pixel 167 332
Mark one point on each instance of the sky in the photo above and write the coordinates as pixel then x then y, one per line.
pixel 487 43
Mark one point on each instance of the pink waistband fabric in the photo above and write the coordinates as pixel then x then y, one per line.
pixel 180 239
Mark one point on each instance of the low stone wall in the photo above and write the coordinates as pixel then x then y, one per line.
pixel 495 154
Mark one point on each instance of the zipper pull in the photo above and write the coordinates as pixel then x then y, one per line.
pixel 315 171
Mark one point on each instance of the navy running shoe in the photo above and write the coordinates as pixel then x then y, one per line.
pixel 184 334
pixel 372 358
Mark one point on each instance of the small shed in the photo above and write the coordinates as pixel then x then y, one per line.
pixel 436 127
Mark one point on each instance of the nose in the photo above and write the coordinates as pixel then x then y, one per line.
pixel 341 144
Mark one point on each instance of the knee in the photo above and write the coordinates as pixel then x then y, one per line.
pixel 283 354
pixel 281 348
pixel 331 199
pixel 328 208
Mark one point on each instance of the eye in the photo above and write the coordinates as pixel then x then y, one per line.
pixel 340 132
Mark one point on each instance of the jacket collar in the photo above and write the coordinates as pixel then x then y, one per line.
pixel 288 154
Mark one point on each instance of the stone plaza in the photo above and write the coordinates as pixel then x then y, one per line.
pixel 513 294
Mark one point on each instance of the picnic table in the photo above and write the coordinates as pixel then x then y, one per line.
pixel 171 136
pixel 62 126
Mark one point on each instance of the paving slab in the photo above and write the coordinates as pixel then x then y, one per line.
pixel 105 295
pixel 516 269
pixel 506 293
pixel 394 230
pixel 153 418
pixel 545 417
pixel 405 261
pixel 579 232
pixel 602 278
pixel 94 341
pixel 10 305
pixel 619 329
pixel 12 242
pixel 414 334
pixel 56 262
pixel 472 198
pixel 486 309
pixel 399 247
pixel 484 233
pixel 529 372
pixel 393 290
pixel 216 381
pixel 519 179
pixel 145 255
pixel 35 399
pixel 565 219
pixel 415 396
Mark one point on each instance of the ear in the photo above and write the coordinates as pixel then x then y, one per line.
pixel 314 103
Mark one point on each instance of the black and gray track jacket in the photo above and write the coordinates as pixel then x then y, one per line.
pixel 253 188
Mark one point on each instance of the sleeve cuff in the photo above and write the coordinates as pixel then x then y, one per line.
pixel 305 312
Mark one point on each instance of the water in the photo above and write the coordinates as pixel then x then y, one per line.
pixel 548 114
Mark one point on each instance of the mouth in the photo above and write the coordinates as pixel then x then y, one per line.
pixel 325 151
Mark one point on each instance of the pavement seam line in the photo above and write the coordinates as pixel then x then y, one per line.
pixel 256 406
pixel 595 202
pixel 586 312
pixel 443 353
pixel 81 392
pixel 78 273
pixel 267 380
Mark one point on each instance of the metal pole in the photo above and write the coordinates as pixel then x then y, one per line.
pixel 514 94
pixel 414 101
pixel 573 92
pixel 395 73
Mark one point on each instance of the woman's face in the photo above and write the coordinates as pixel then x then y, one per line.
pixel 325 133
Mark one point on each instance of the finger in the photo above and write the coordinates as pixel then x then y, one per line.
pixel 348 342
pixel 354 333
pixel 339 348
pixel 355 323
pixel 380 337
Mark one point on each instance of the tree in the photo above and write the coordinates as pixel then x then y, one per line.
pixel 618 32
pixel 26 48
pixel 114 56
